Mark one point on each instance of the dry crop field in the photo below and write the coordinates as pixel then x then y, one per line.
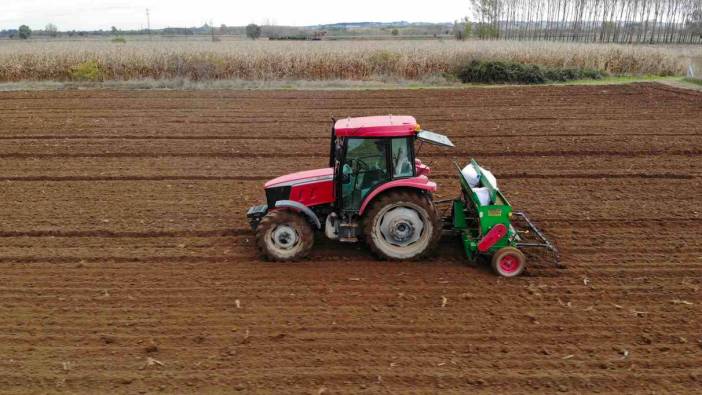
pixel 128 266
pixel 323 60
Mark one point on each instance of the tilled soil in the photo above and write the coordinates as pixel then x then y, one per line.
pixel 128 266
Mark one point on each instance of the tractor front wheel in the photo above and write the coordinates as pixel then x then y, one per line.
pixel 402 225
pixel 508 262
pixel 284 235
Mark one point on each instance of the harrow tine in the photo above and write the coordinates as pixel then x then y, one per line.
pixel 544 241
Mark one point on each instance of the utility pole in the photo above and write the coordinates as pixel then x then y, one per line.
pixel 148 23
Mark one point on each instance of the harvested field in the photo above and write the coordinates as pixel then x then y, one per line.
pixel 195 60
pixel 128 266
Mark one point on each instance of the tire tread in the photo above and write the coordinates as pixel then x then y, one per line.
pixel 280 217
pixel 419 198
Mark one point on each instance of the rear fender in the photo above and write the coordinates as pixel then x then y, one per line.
pixel 421 183
pixel 301 208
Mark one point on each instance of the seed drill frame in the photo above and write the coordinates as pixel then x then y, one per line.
pixel 487 229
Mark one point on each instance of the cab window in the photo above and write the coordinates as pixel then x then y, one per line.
pixel 401 158
pixel 365 166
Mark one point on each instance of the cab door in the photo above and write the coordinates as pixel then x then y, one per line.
pixel 369 162
pixel 364 166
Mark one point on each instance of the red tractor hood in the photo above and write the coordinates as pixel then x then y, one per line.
pixel 302 177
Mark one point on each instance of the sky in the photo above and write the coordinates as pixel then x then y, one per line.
pixel 131 14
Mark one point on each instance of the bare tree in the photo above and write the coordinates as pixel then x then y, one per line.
pixel 622 21
pixel 51 30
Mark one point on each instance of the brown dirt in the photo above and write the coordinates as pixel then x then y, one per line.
pixel 124 238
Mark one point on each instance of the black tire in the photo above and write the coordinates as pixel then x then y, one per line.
pixel 375 230
pixel 508 262
pixel 284 236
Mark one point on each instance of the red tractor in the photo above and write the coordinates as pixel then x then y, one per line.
pixel 374 188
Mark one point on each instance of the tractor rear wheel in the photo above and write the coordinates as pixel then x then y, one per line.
pixel 508 262
pixel 402 225
pixel 284 235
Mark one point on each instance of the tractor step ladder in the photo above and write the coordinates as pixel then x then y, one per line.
pixel 348 232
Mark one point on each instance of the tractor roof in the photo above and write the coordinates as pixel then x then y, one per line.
pixel 378 126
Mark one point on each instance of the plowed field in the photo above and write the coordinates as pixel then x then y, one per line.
pixel 126 264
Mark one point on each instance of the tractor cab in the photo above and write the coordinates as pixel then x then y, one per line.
pixel 368 152
pixel 371 155
pixel 369 162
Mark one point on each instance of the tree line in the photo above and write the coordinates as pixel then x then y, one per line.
pixel 618 21
pixel 252 31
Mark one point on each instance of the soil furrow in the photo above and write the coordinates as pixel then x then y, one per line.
pixel 124 238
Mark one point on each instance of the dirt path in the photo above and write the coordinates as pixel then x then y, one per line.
pixel 127 264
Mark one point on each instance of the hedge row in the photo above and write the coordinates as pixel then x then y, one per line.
pixel 499 72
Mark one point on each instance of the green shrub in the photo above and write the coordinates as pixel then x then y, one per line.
pixel 253 31
pixel 24 32
pixel 87 71
pixel 592 74
pixel 498 72
pixel 119 40
pixel 570 74
pixel 501 73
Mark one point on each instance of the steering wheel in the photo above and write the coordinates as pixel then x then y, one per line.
pixel 358 165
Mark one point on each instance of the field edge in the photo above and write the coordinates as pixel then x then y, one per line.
pixel 311 85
